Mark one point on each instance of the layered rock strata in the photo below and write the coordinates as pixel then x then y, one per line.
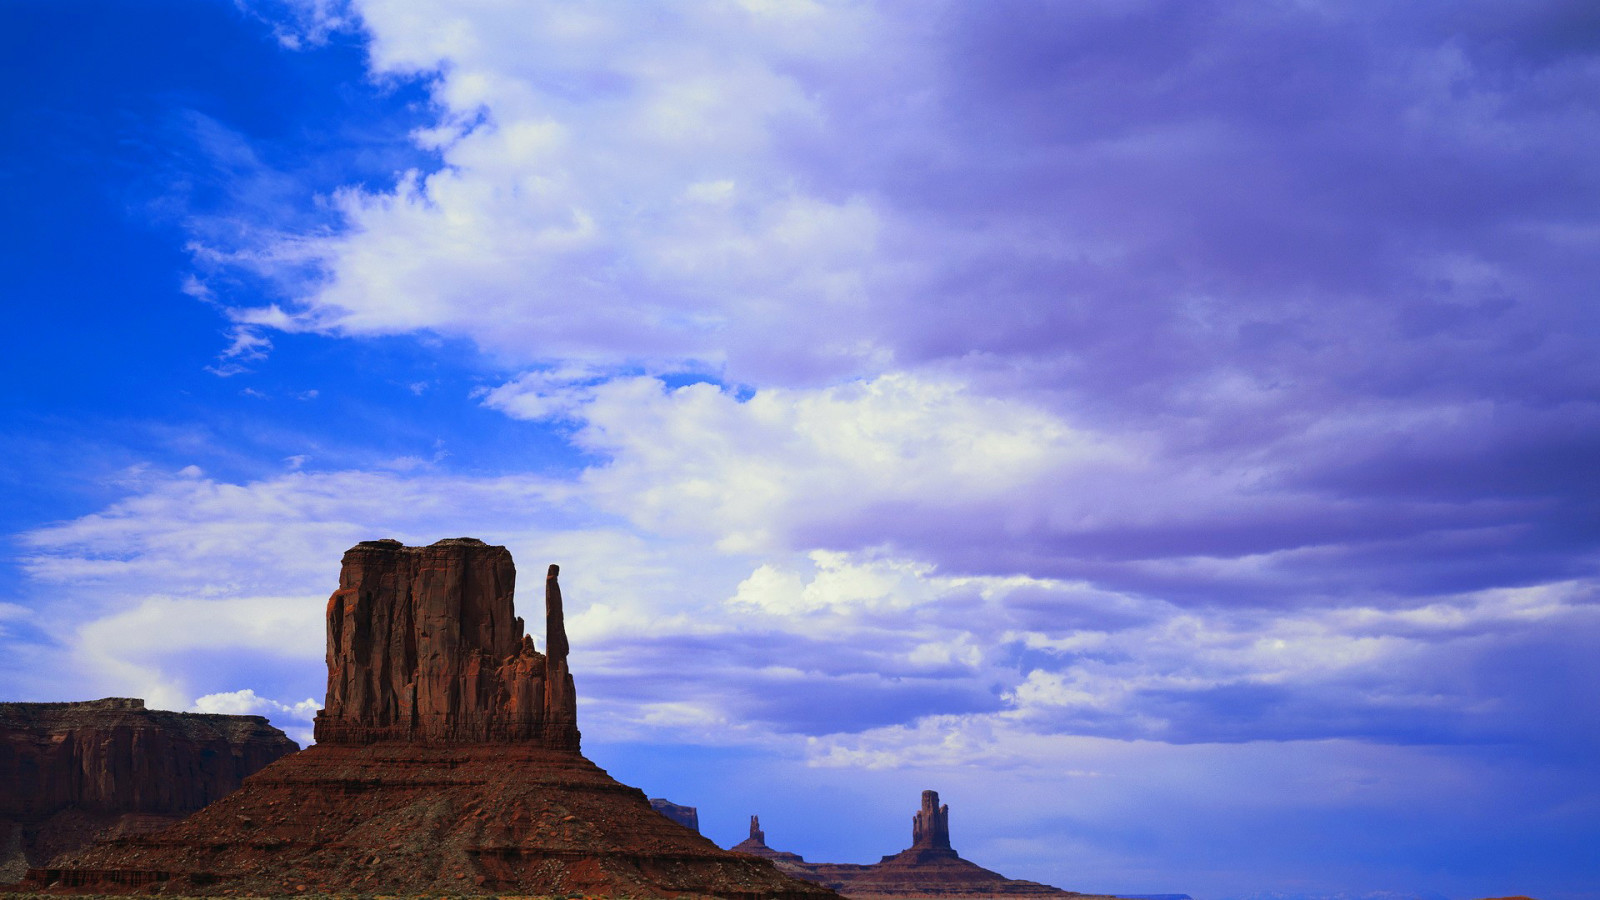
pixel 929 868
pixel 448 762
pixel 74 772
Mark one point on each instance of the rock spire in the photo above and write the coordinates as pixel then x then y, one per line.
pixel 560 699
pixel 930 827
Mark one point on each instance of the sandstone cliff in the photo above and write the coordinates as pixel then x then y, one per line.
pixel 74 772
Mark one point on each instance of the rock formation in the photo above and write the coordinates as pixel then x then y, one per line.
pixel 929 868
pixel 74 772
pixel 423 645
pixel 447 760
pixel 756 845
pixel 930 827
pixel 687 816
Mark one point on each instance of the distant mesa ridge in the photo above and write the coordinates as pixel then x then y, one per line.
pixel 78 771
pixel 929 868
pixel 447 762
pixel 687 816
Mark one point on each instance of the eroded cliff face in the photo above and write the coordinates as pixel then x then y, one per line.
pixel 74 772
pixel 424 645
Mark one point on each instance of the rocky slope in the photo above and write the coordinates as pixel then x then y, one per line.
pixel 74 772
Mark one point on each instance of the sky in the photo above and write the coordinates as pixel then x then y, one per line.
pixel 1167 428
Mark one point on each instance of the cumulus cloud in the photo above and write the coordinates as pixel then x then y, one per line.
pixel 769 470
pixel 1191 302
pixel 1139 207
pixel 295 718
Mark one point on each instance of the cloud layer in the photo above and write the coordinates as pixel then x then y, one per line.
pixel 1265 300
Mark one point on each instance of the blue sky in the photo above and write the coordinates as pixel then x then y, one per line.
pixel 1166 429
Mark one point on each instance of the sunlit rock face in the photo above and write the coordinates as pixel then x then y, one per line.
pixel 75 772
pixel 424 645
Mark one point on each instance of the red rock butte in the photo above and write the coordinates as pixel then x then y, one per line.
pixel 447 761
pixel 424 646
pixel 929 868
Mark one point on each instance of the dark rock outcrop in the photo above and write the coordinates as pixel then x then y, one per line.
pixel 447 762
pixel 687 816
pixel 929 868
pixel 74 772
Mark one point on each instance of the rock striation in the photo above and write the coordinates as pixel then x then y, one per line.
pixel 929 868
pixel 74 772
pixel 447 761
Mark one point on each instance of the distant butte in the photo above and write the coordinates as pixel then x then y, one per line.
pixel 447 761
pixel 756 845
pixel 929 868
pixel 687 816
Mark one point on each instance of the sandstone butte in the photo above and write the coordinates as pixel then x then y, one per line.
pixel 687 816
pixel 928 868
pixel 447 760
pixel 75 772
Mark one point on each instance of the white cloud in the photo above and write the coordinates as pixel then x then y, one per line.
pixel 839 584
pixel 774 470
pixel 292 718
pixel 244 702
pixel 558 393
pixel 655 225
